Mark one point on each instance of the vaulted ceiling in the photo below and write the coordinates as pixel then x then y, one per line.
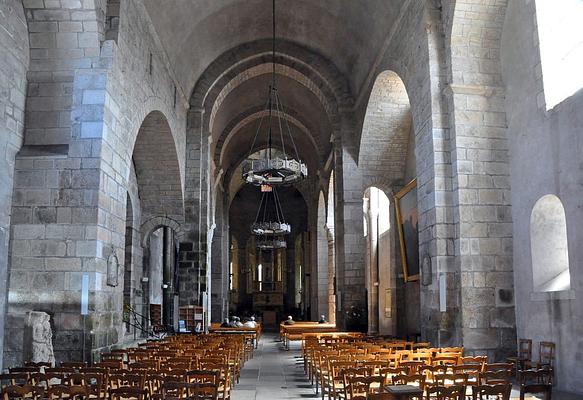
pixel 342 36
pixel 350 33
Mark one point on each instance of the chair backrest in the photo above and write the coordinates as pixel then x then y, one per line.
pixel 451 379
pixel 492 367
pixel 525 349
pixel 38 364
pixel 495 377
pixel 13 379
pixel 127 393
pixel 67 392
pixel 21 392
pixel 409 379
pixel 501 391
pixel 412 366
pixel 73 364
pixel 455 392
pixel 473 360
pixel 546 354
pixel 360 386
pixel 202 376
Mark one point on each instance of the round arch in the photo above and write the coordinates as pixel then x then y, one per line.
pixel 157 169
pixel 386 139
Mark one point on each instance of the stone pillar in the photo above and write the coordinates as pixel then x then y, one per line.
pixel 350 246
pixel 168 278
pixel 220 261
pixel 194 274
pixel 484 219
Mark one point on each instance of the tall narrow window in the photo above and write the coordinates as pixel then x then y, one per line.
pixel 112 13
pixel 548 241
pixel 560 34
pixel 260 276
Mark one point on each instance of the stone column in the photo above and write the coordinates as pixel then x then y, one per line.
pixel 350 246
pixel 193 252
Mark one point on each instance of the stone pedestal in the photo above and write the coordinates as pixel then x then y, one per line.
pixel 38 338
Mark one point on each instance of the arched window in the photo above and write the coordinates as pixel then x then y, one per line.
pixel 548 241
pixel 560 34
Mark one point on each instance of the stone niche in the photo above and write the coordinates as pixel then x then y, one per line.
pixel 38 337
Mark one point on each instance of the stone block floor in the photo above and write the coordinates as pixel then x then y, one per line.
pixel 274 373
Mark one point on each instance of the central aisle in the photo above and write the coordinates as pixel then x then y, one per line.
pixel 273 373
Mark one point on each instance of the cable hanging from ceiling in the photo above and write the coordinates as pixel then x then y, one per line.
pixel 274 168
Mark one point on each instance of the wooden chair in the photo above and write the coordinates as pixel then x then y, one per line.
pixel 473 360
pixel 546 357
pixel 445 359
pixel 416 380
pixel 485 392
pixel 94 383
pixel 535 382
pixel 11 379
pixel 38 365
pixel 202 376
pixel 67 392
pixel 203 391
pixel 224 370
pixel 412 366
pixel 28 392
pixel 73 364
pixel 456 392
pixel 420 345
pixel 127 393
pixel 335 383
pixel 471 370
pixel 360 386
pixel 429 371
pixel 500 377
pixel 447 380
pixel 493 367
pixel 523 354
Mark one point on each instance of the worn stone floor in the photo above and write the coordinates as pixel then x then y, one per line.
pixel 274 373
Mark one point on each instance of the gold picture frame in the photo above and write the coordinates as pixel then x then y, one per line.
pixel 408 227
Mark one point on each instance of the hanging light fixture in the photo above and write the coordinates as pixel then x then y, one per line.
pixel 271 169
pixel 269 226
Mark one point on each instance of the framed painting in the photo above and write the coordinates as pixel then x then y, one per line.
pixel 408 227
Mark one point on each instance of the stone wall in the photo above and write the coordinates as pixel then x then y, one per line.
pixel 70 197
pixel 14 62
pixel 546 148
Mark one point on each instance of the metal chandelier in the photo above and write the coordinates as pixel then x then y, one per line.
pixel 274 170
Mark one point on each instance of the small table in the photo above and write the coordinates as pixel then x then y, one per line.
pixel 403 392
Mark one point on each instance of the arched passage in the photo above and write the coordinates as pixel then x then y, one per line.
pixel 387 142
pixel 548 244
pixel 270 282
pixel 157 169
pixel 379 260
pixel 157 187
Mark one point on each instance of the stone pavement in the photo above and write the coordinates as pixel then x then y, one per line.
pixel 273 374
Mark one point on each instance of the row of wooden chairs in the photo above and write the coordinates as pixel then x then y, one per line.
pixel 156 370
pixel 331 365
